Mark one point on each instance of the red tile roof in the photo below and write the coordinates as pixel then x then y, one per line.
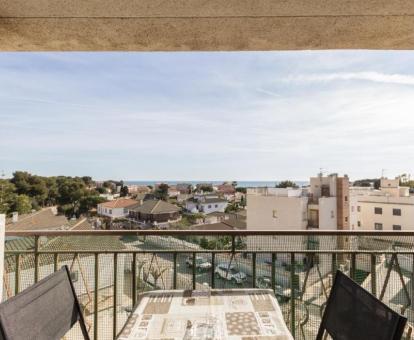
pixel 119 203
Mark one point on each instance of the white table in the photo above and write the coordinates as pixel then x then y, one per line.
pixel 247 314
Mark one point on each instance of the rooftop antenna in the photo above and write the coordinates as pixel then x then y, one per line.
pixel 320 172
pixel 382 173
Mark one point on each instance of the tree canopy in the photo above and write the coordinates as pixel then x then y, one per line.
pixel 367 182
pixel 162 192
pixel 287 184
pixel 24 192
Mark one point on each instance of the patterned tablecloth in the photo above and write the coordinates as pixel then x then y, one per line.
pixel 247 314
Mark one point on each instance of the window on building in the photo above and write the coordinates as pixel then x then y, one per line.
pixel 359 223
pixel 209 206
pixel 216 206
pixel 359 208
pixel 396 212
pixel 332 214
pixel 378 226
pixel 110 211
pixel 346 198
pixel 346 219
pixel 378 211
pixel 274 213
pixel 396 227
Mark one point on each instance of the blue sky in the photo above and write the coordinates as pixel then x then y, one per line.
pixel 210 116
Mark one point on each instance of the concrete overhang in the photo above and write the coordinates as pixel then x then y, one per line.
pixel 205 25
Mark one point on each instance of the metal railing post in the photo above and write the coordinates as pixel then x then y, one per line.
pixel 115 314
pixel 17 274
pixel 292 294
pixel 333 269
pixel 96 296
pixel 134 279
pixel 36 259
pixel 373 275
pixel 2 249
pixel 273 272
pixel 55 262
pixel 254 269
pixel 213 267
pixel 193 267
pixel 175 271
pixel 353 266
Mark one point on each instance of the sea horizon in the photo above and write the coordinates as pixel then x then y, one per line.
pixel 240 184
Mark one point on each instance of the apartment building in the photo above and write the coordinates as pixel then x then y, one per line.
pixel 391 207
pixel 329 202
pixel 277 209
pixel 322 205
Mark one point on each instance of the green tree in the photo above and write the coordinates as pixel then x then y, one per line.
pixel 242 201
pixel 203 242
pixel 38 189
pixel 206 188
pixel 101 190
pixel 367 182
pixel 241 189
pixel 162 192
pixel 232 207
pixel 21 180
pixel 124 191
pixel 22 204
pixel 7 196
pixel 287 184
pixel 88 181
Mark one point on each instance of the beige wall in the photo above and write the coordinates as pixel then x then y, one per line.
pixel 327 213
pixel 276 212
pixel 368 218
pixel 390 196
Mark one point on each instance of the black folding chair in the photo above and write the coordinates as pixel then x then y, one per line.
pixel 352 313
pixel 45 311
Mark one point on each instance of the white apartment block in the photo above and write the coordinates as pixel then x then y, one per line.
pixel 389 208
pixel 277 209
pixel 323 205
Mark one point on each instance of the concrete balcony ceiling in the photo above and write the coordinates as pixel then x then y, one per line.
pixel 205 25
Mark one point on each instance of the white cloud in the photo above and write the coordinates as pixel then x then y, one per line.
pixel 377 77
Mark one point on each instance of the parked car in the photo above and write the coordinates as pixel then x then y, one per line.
pixel 230 273
pixel 282 294
pixel 264 282
pixel 200 262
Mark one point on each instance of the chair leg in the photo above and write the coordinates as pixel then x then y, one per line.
pixel 320 333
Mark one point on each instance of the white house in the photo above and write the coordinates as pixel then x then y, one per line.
pixel 117 208
pixel 206 204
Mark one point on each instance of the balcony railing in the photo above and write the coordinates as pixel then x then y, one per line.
pixel 110 268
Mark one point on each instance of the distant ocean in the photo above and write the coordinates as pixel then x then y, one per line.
pixel 240 184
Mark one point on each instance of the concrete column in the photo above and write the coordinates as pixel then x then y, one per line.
pixel 2 234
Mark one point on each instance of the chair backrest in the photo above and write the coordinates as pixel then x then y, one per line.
pixel 47 310
pixel 352 313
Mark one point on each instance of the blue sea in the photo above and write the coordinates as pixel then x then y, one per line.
pixel 240 184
